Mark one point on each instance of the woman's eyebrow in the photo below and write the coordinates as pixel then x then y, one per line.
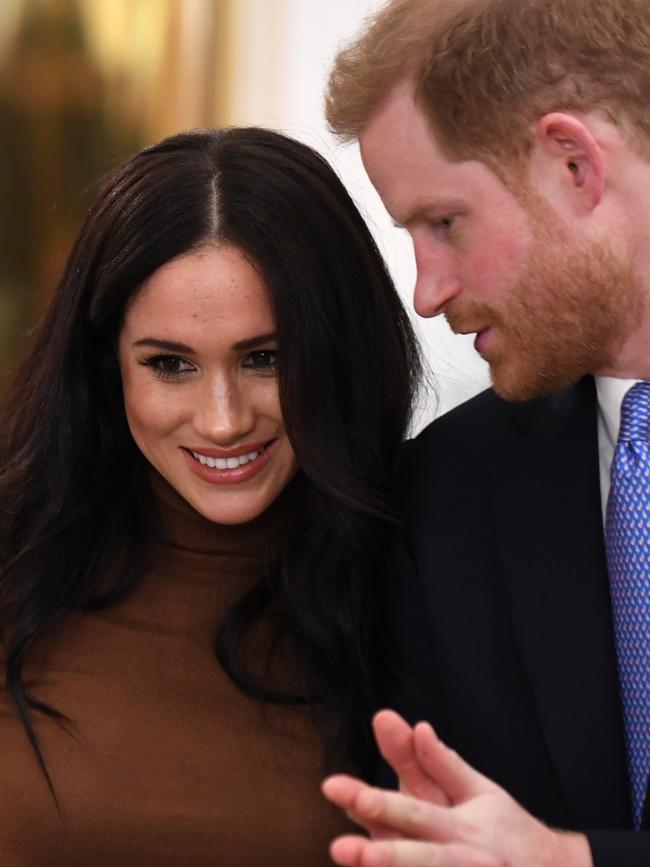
pixel 174 346
pixel 169 345
pixel 253 342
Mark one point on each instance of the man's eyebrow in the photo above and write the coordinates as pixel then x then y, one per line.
pixel 174 346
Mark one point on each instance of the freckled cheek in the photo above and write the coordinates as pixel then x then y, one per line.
pixel 152 415
pixel 268 406
pixel 265 397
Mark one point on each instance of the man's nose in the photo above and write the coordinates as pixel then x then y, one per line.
pixel 433 292
pixel 226 413
pixel 437 281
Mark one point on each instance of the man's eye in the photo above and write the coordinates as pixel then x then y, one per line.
pixel 169 366
pixel 265 360
pixel 444 223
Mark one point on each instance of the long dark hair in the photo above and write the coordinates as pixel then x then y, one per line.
pixel 348 371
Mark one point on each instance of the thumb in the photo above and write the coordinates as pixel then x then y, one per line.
pixel 458 780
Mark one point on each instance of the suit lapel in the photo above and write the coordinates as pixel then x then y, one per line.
pixel 548 515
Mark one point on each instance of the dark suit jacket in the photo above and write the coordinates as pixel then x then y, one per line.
pixel 498 624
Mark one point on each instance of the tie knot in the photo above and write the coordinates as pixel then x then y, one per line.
pixel 635 414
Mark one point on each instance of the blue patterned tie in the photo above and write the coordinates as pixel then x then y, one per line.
pixel 627 530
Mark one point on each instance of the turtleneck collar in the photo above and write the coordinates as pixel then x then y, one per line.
pixel 181 526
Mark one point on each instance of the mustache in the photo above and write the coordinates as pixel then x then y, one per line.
pixel 472 318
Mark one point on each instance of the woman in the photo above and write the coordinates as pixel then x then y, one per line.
pixel 194 476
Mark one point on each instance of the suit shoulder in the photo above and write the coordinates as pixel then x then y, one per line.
pixel 456 443
pixel 482 417
pixel 485 424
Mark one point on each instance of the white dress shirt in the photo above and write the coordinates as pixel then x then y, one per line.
pixel 611 392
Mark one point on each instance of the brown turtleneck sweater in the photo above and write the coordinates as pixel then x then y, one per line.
pixel 165 762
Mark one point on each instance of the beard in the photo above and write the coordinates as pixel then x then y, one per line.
pixel 568 314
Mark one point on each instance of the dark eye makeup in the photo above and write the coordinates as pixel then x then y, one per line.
pixel 168 366
pixel 262 360
pixel 165 366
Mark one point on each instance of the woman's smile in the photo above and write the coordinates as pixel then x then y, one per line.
pixel 239 466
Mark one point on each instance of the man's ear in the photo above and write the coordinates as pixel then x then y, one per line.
pixel 567 164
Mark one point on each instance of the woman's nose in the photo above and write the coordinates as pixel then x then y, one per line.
pixel 225 413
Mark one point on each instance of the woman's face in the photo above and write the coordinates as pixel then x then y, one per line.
pixel 199 371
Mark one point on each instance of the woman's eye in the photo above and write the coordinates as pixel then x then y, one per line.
pixel 265 360
pixel 169 366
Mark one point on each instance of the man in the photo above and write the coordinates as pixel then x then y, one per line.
pixel 511 138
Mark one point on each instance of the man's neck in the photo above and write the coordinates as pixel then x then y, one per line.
pixel 633 361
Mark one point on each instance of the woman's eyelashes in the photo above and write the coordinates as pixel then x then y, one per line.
pixel 169 366
pixel 262 361
pixel 174 367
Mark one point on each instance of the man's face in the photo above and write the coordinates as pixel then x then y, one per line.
pixel 546 305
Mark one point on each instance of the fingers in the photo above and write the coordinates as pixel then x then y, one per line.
pixel 373 829
pixel 350 851
pixel 353 851
pixel 401 814
pixel 395 740
pixel 343 791
pixel 456 778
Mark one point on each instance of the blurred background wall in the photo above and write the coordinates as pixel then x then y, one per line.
pixel 83 83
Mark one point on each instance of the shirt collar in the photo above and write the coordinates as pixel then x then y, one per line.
pixel 611 392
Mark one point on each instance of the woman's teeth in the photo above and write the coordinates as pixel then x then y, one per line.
pixel 227 463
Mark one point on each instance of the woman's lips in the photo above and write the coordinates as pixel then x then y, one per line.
pixel 229 475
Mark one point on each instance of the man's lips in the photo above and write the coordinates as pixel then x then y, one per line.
pixel 465 331
pixel 482 340
pixel 482 325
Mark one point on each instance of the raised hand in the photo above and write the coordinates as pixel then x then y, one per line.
pixel 396 741
pixel 466 820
